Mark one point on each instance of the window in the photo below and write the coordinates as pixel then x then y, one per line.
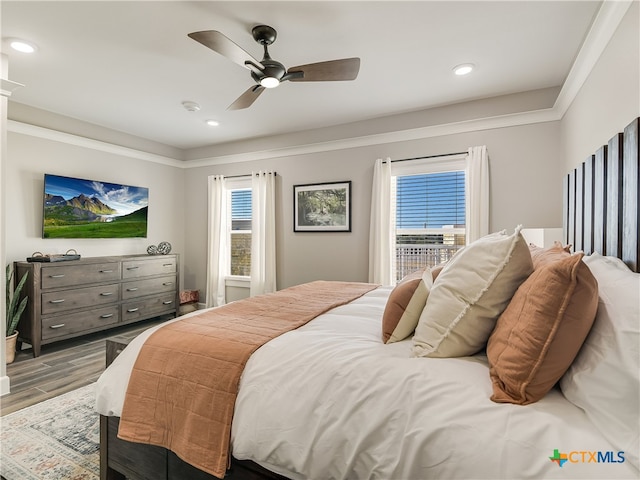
pixel 240 243
pixel 429 214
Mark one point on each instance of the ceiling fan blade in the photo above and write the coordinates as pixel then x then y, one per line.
pixel 333 70
pixel 217 42
pixel 247 98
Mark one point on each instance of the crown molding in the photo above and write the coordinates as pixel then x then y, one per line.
pixel 70 139
pixel 509 120
pixel 603 28
pixel 7 87
pixel 488 123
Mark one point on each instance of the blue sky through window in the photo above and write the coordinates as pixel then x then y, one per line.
pixel 430 200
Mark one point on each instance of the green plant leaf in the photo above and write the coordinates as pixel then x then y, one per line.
pixel 15 306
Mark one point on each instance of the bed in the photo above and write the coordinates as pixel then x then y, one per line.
pixel 328 399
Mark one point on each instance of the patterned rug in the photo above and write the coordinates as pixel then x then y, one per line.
pixel 53 440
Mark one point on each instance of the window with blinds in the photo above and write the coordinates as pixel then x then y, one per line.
pixel 240 205
pixel 429 219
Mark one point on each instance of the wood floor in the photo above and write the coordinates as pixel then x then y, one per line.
pixel 61 367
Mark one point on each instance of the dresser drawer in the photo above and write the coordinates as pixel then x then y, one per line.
pixel 145 268
pixel 69 275
pixel 71 324
pixel 140 288
pixel 64 300
pixel 149 307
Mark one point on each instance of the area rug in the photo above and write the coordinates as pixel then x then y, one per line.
pixel 58 439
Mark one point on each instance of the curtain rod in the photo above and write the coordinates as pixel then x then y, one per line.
pixel 430 156
pixel 248 175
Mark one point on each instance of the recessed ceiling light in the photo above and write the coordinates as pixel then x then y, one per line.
pixel 22 45
pixel 463 69
pixel 212 123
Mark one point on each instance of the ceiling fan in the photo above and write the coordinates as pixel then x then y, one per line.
pixel 269 73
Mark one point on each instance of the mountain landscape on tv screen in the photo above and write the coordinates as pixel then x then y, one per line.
pixel 75 208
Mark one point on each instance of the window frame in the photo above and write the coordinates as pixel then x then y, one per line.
pixel 425 166
pixel 235 184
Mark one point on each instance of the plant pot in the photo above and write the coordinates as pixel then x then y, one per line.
pixel 10 353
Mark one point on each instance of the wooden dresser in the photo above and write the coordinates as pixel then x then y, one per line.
pixel 68 299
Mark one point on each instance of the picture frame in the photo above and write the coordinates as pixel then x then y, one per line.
pixel 322 207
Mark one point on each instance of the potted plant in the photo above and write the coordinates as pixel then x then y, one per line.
pixel 15 307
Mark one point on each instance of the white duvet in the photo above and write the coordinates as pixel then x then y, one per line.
pixel 331 401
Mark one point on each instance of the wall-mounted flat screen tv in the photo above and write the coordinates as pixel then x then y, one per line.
pixel 79 208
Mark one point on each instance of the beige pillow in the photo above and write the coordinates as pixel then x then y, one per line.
pixel 541 331
pixel 405 304
pixel 469 295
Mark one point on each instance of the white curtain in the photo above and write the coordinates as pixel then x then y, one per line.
pixel 218 251
pixel 381 231
pixel 263 233
pixel 477 198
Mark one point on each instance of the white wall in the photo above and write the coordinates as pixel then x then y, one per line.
pixel 30 157
pixel 525 164
pixel 610 98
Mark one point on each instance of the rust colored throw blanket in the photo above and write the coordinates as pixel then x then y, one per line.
pixel 184 383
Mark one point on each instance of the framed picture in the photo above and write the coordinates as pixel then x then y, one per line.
pixel 322 207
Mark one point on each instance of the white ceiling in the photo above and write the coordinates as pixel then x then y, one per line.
pixel 128 66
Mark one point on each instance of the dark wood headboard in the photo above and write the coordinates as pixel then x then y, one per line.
pixel 602 200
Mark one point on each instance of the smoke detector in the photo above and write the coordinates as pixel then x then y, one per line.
pixel 191 106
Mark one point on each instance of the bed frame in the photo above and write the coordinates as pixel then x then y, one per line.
pixel 601 200
pixel 601 205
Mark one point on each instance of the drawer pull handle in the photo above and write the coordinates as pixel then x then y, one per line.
pixel 57 301
pixel 132 289
pixel 106 271
pixel 167 284
pixel 132 268
pixel 106 294
pixel 132 310
pixel 59 275
pixel 60 325
pixel 167 265
pixel 168 302
pixel 106 315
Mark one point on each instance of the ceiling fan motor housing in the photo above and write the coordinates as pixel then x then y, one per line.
pixel 264 34
pixel 271 69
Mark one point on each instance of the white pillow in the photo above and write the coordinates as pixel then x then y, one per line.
pixel 469 295
pixel 604 379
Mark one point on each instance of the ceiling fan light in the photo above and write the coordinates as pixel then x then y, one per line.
pixel 269 82
pixel 463 69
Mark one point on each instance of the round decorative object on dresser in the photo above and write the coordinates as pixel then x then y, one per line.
pixel 152 250
pixel 164 248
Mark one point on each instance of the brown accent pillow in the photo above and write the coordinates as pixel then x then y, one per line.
pixel 541 255
pixel 398 305
pixel 542 329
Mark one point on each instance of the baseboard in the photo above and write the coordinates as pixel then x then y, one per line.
pixel 5 386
